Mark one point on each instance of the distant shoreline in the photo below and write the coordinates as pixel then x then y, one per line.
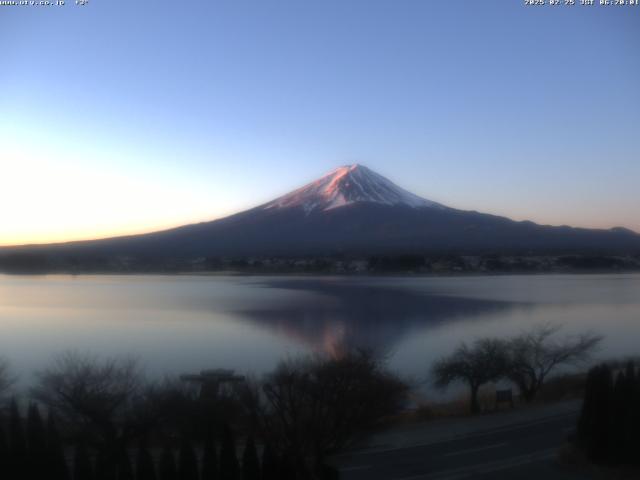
pixel 342 264
pixel 241 273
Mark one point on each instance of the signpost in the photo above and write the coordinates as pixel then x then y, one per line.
pixel 504 396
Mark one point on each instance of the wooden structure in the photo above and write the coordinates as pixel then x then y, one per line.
pixel 211 380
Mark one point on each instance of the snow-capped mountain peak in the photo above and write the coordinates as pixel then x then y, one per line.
pixel 347 185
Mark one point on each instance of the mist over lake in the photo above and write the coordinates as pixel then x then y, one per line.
pixel 178 324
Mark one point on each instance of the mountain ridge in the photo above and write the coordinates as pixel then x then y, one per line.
pixel 351 210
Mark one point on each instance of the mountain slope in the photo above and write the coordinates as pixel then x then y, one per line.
pixel 350 210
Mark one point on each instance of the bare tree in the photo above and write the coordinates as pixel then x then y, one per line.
pixel 6 379
pixel 482 362
pixel 91 393
pixel 534 354
pixel 173 405
pixel 315 406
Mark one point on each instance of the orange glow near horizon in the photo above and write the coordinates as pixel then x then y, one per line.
pixel 19 239
pixel 47 200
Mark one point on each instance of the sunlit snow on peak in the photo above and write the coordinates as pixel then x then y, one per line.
pixel 347 185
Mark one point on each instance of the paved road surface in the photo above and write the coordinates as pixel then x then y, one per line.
pixel 517 451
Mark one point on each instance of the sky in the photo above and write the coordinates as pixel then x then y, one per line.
pixel 119 117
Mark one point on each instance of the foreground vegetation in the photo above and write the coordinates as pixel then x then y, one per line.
pixel 106 422
pixel 609 424
pixel 103 419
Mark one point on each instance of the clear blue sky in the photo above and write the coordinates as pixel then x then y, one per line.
pixel 125 116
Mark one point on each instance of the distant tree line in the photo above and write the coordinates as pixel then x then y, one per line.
pixel 34 262
pixel 609 424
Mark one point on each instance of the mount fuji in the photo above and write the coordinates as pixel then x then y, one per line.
pixel 346 186
pixel 351 210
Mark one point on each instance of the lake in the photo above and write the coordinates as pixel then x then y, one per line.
pixel 177 324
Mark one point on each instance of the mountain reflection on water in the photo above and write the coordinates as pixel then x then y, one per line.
pixel 346 315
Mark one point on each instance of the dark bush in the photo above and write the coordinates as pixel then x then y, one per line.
pixel 250 462
pixel 229 468
pixel 210 469
pixel 168 470
pixel 187 463
pixel 82 468
pixel 608 422
pixel 269 463
pixel 145 467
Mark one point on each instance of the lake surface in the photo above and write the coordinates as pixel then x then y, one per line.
pixel 178 324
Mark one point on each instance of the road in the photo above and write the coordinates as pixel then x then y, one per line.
pixel 518 451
